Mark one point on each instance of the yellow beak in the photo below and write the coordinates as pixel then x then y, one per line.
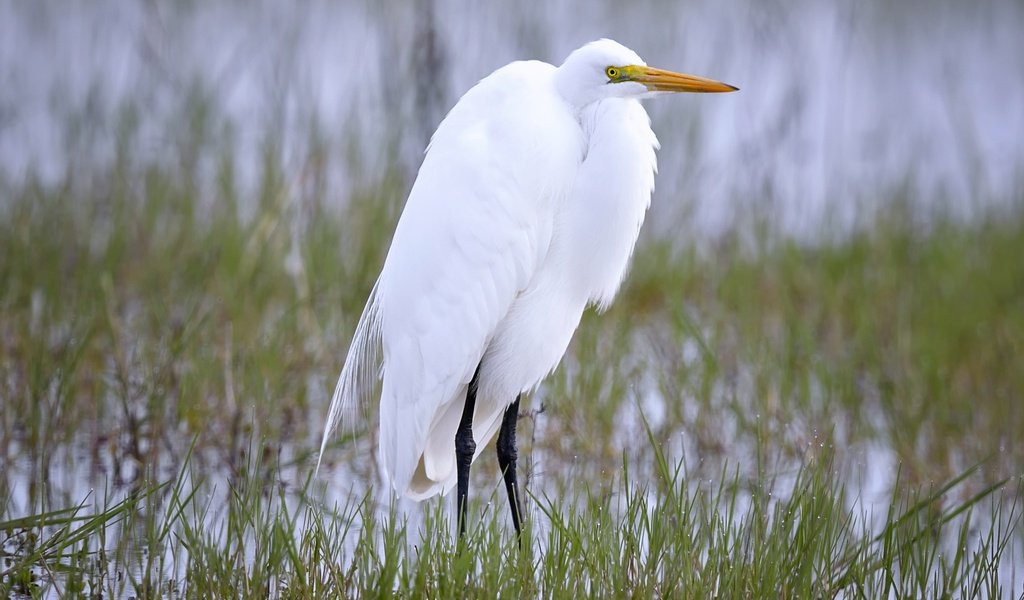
pixel 660 80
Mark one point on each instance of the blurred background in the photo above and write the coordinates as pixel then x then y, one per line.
pixel 196 198
pixel 839 99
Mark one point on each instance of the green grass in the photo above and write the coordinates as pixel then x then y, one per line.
pixel 166 356
pixel 618 538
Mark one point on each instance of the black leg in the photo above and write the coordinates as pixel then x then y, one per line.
pixel 507 456
pixel 465 447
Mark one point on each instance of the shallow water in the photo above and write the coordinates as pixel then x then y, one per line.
pixel 838 104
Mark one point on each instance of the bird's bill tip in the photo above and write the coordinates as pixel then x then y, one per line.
pixel 660 80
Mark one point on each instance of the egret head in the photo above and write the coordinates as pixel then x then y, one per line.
pixel 607 69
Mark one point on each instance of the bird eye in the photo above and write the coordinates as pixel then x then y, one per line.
pixel 612 73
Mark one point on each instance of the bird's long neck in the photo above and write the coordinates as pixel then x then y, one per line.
pixel 610 197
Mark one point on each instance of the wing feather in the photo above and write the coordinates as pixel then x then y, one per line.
pixel 446 285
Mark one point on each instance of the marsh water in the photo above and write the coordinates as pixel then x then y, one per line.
pixel 843 106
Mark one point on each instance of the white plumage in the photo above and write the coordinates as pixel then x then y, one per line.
pixel 525 211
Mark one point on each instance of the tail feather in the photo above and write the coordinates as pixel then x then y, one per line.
pixel 360 370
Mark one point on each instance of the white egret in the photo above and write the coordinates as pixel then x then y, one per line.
pixel 524 212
